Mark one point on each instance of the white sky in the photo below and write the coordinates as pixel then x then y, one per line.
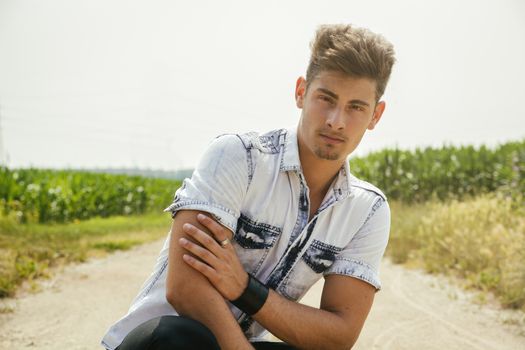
pixel 112 83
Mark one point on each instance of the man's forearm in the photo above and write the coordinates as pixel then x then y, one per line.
pixel 203 303
pixel 302 326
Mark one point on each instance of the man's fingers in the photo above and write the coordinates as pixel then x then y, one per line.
pixel 203 238
pixel 215 228
pixel 204 254
pixel 206 270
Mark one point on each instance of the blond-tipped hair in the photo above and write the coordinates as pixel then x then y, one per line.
pixel 356 52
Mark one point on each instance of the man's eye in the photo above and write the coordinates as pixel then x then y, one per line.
pixel 325 98
pixel 357 108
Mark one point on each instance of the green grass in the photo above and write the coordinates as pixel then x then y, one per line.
pixel 480 240
pixel 28 251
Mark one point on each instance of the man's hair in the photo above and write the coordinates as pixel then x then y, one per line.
pixel 356 52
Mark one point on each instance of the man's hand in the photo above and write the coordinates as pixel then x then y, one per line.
pixel 218 263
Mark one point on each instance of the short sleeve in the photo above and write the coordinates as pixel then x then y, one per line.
pixel 362 256
pixel 218 183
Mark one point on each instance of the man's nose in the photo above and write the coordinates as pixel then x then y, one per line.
pixel 335 119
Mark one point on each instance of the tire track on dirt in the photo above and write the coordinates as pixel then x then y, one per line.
pixel 462 334
pixel 385 338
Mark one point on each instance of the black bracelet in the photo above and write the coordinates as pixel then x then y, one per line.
pixel 253 297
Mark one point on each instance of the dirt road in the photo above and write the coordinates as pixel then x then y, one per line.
pixel 413 311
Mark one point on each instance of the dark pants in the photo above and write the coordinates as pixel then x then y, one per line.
pixel 177 332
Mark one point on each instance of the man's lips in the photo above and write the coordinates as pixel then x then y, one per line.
pixel 332 139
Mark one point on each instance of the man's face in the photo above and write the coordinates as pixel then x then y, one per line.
pixel 336 112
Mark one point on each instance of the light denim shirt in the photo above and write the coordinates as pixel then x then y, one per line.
pixel 253 185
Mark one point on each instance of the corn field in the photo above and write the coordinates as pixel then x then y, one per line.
pixel 33 195
pixel 445 173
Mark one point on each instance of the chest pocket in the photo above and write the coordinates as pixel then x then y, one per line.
pixel 309 269
pixel 252 242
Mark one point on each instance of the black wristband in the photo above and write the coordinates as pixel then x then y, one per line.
pixel 253 297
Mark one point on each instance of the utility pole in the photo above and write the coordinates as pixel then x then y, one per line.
pixel 2 150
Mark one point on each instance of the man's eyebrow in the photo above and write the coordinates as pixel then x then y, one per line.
pixel 359 102
pixel 334 95
pixel 328 92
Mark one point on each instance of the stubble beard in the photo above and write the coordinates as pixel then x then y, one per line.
pixel 326 154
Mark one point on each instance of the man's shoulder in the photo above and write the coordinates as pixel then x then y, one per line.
pixel 253 149
pixel 267 142
pixel 364 187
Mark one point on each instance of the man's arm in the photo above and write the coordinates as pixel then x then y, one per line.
pixel 345 304
pixel 192 295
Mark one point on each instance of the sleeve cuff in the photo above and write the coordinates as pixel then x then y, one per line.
pixel 357 269
pixel 222 215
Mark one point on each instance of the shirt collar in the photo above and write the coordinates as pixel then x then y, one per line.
pixel 290 162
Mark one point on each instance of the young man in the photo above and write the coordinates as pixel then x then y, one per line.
pixel 265 216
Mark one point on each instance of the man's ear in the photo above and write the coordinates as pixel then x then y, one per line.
pixel 300 91
pixel 378 112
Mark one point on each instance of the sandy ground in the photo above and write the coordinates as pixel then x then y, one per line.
pixel 413 311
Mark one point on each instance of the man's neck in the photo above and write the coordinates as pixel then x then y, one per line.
pixel 319 173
